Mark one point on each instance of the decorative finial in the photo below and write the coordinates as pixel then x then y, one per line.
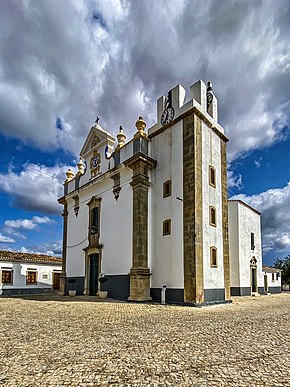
pixel 97 120
pixel 69 175
pixel 209 94
pixel 140 125
pixel 81 167
pixel 121 137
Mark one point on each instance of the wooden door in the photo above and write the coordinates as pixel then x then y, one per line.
pixel 94 274
pixel 55 281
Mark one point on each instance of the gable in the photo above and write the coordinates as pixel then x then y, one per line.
pixel 96 137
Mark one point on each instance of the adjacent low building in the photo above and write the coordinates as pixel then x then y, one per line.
pixel 272 279
pixel 245 249
pixel 25 273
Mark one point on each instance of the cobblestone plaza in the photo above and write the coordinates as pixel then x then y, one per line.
pixel 58 341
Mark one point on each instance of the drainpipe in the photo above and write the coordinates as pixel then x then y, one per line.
pixel 163 291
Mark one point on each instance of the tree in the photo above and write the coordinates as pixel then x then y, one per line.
pixel 284 265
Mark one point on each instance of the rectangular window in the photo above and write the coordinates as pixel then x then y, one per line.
pixel 167 227
pixel 31 277
pixel 273 277
pixel 277 276
pixel 7 277
pixel 95 220
pixel 212 176
pixel 212 216
pixel 167 189
pixel 213 256
pixel 252 241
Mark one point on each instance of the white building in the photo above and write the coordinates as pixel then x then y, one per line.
pixel 272 279
pixel 245 249
pixel 25 273
pixel 153 211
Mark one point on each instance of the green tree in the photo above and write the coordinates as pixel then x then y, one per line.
pixel 284 265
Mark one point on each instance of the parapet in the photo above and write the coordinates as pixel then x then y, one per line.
pixel 172 106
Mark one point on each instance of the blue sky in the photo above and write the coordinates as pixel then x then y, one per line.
pixel 63 63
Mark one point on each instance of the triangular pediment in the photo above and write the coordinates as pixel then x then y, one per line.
pixel 97 136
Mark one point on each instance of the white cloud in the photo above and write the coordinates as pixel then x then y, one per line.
pixel 5 239
pixel 27 224
pixel 51 248
pixel 74 60
pixel 35 188
pixel 274 205
pixel 258 162
pixel 235 180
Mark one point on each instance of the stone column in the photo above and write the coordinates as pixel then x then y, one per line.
pixel 140 273
pixel 192 210
pixel 225 220
pixel 62 285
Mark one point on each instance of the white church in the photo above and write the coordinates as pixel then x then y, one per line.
pixel 152 211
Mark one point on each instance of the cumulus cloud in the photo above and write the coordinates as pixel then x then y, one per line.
pixel 35 188
pixel 273 205
pixel 51 248
pixel 65 62
pixel 27 224
pixel 5 239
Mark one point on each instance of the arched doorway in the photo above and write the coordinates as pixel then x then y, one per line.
pixel 254 286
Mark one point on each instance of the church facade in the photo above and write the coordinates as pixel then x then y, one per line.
pixel 152 211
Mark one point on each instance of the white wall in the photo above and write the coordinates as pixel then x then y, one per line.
pixel 115 227
pixel 242 222
pixel 166 252
pixel 19 274
pixel 276 282
pixel 234 244
pixel 212 236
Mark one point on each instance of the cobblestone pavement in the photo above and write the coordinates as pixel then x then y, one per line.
pixel 57 341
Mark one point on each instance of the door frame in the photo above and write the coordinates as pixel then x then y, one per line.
pixel 253 269
pixel 89 251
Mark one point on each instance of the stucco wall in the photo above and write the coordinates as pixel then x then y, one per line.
pixel 242 222
pixel 212 196
pixel 234 244
pixel 44 275
pixel 166 252
pixel 116 240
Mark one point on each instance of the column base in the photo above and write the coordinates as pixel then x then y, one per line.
pixel 140 284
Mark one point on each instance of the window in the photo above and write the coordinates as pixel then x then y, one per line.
pixel 167 227
pixel 213 256
pixel 167 189
pixel 95 221
pixel 31 277
pixel 94 216
pixel 252 241
pixel 212 176
pixel 273 277
pixel 277 276
pixel 7 277
pixel 212 216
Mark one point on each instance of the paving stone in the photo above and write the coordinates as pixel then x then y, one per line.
pixel 58 341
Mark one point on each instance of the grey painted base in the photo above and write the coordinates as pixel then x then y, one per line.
pixel 213 295
pixel 246 291
pixel 274 289
pixel 237 291
pixel 15 292
pixel 177 295
pixel 261 290
pixel 78 285
pixel 171 295
pixel 118 286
